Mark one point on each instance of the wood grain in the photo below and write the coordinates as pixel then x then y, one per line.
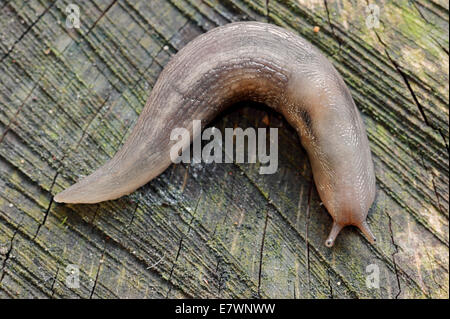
pixel 69 97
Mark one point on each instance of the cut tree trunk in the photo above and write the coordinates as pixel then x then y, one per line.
pixel 70 96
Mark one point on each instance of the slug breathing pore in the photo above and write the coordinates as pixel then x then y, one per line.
pixel 249 61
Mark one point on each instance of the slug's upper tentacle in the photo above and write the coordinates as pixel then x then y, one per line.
pixel 249 61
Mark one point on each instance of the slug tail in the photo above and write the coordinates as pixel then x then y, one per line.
pixel 335 229
pixel 364 227
pixel 94 188
pixel 113 180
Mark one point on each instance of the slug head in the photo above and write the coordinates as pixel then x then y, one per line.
pixel 332 132
pixel 347 192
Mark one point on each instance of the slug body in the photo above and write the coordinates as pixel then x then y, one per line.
pixel 259 62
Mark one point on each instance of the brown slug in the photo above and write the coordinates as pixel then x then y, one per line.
pixel 249 61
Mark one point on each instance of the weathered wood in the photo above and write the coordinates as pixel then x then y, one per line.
pixel 69 97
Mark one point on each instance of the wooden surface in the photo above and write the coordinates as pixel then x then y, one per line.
pixel 69 97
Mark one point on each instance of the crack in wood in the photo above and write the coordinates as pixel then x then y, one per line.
pixel 181 244
pixel 440 208
pixel 26 31
pixel 13 121
pixel 393 255
pixel 133 215
pixel 413 95
pixel 323 260
pixel 106 62
pixel 100 263
pixel 61 165
pixel 101 16
pixel 53 283
pixel 173 266
pixel 261 251
pixel 308 266
pixel 8 253
pixel 286 219
pixel 421 221
pixel 338 40
pixel 330 286
pixel 437 42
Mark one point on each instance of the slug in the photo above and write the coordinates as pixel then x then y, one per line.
pixel 249 61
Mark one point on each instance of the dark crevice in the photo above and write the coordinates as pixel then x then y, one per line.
pixel 330 286
pixel 83 134
pixel 97 232
pixel 395 197
pixel 100 263
pixel 14 119
pixel 308 266
pixel 53 283
pixel 25 180
pixel 428 22
pixel 294 293
pixel 26 31
pixel 101 16
pixel 415 99
pixel 261 252
pixel 436 41
pixel 441 209
pixel 47 211
pixel 45 92
pixel 173 266
pixel 46 214
pixel 436 9
pixel 138 259
pixel 378 252
pixel 219 278
pixel 8 253
pixel 283 216
pixel 393 256
pixel 86 45
pixel 338 40
pixel 132 216
pixel 225 215
pixel 61 165
pixel 181 244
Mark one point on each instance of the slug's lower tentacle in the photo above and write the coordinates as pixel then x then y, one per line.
pixel 364 227
pixel 249 61
pixel 335 229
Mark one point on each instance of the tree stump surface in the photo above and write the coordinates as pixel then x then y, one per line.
pixel 69 97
